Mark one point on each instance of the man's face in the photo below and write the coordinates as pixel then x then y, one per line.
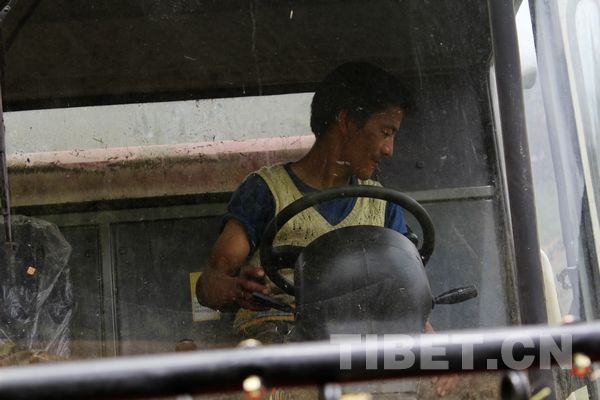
pixel 368 145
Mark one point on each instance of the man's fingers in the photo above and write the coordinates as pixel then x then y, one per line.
pixel 250 286
pixel 252 279
pixel 252 272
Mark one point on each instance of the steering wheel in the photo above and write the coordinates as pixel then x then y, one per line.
pixel 274 259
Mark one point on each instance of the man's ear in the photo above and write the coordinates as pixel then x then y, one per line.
pixel 344 123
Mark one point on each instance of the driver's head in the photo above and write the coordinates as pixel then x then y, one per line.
pixel 360 89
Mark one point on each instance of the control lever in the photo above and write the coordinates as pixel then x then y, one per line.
pixel 457 295
pixel 269 301
pixel 453 296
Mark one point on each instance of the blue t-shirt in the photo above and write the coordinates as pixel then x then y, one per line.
pixel 252 204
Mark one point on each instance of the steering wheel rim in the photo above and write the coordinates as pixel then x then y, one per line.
pixel 268 258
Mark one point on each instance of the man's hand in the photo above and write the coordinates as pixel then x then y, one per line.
pixel 251 279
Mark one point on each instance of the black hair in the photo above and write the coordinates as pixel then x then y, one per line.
pixel 358 88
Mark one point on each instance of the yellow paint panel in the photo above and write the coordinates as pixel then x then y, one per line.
pixel 199 312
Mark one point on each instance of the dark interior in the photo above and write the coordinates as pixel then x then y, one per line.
pixel 60 53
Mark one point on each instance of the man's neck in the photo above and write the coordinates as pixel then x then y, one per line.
pixel 322 166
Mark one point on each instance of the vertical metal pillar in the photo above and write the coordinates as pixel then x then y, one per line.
pixel 530 284
pixel 4 188
pixel 110 333
pixel 518 165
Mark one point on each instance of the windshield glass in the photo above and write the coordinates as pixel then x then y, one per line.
pixel 149 145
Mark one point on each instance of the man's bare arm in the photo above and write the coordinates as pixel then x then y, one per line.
pixel 227 283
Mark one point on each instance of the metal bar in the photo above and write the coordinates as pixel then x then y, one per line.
pixel 8 33
pixel 110 339
pixel 518 165
pixel 451 194
pixel 530 285
pixel 313 363
pixel 5 192
pixel 219 208
pixel 138 214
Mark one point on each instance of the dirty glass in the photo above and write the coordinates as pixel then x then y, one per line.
pixel 564 150
pixel 130 124
pixel 561 108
